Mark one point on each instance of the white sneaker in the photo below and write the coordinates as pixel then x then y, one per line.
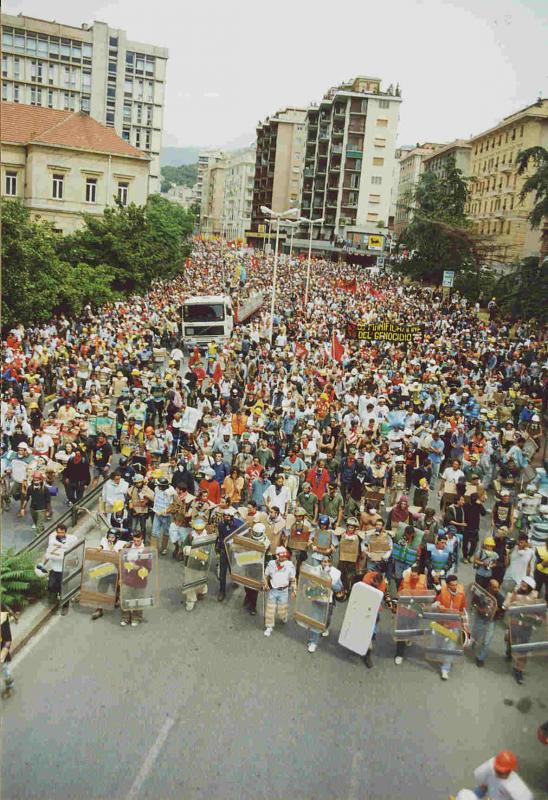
pixel 33 527
pixel 134 623
pixel 398 660
pixel 123 623
pixel 190 606
pixel 444 675
pixel 312 647
pixel 268 631
pixel 325 634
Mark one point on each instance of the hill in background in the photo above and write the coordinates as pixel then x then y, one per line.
pixel 183 175
pixel 175 156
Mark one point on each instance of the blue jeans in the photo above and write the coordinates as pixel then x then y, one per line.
pixel 160 525
pixel 483 631
pixel 448 660
pixel 435 473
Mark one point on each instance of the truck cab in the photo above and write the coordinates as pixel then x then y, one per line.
pixel 207 318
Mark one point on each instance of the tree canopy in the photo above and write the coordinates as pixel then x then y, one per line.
pixel 121 251
pixel 184 175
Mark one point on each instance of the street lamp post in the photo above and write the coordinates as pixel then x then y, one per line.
pixel 277 216
pixel 311 222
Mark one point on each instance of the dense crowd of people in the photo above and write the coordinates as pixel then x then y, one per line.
pixel 392 463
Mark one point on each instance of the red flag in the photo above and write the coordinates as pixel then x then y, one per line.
pixel 217 373
pixel 195 357
pixel 336 349
pixel 300 350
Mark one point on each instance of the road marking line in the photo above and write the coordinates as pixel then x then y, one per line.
pixel 33 641
pixel 152 755
pixel 356 777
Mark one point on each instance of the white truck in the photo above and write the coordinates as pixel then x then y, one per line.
pixel 210 318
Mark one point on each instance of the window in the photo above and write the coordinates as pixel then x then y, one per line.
pixel 7 40
pixel 58 186
pixel 374 198
pixel 150 91
pixel 111 91
pixel 35 96
pixel 139 116
pixel 76 51
pixel 127 112
pixel 140 90
pixel 4 66
pixel 85 104
pixel 149 122
pixel 137 138
pixel 74 77
pixel 112 67
pixel 140 65
pixel 11 184
pixel 87 50
pixel 378 162
pixel 384 104
pixel 128 87
pixel 110 118
pixel 51 74
pixel 65 50
pixel 149 66
pixel 39 71
pixel 16 93
pixel 91 190
pixel 376 179
pixel 50 98
pixel 147 140
pixel 382 123
pixel 508 227
pixel 43 47
pixel 125 133
pixel 53 49
pixel 16 69
pixel 123 188
pixel 380 142
pixel 113 41
pixel 129 60
pixel 86 79
pixel 371 217
pixel 19 42
pixel 31 45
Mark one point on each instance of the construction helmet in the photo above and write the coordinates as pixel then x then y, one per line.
pixel 489 542
pixel 505 761
pixel 198 524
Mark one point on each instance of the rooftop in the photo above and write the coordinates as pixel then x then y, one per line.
pixel 23 124
pixel 538 110
pixel 443 149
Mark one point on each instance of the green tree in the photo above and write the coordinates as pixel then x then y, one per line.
pixel 184 175
pixel 523 293
pixel 439 233
pixel 537 185
pixel 139 243
pixel 32 272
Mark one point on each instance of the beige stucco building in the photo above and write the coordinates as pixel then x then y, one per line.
pixel 494 205
pixel 94 69
pixel 281 141
pixel 238 194
pixel 411 166
pixel 458 151
pixel 61 164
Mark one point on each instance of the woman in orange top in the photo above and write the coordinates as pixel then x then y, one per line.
pixel 412 582
pixel 451 597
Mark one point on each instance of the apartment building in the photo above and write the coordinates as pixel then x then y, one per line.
pixel 60 164
pixel 458 152
pixel 238 192
pixel 279 162
pixel 201 189
pixel 400 153
pixel 494 204
pixel 349 159
pixel 94 69
pixel 411 166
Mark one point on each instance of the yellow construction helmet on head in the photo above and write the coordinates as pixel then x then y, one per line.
pixel 489 542
pixel 198 524
pixel 118 505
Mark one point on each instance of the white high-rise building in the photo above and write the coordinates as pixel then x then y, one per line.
pixel 94 69
pixel 238 195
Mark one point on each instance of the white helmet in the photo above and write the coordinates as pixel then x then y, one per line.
pixel 466 794
pixel 258 530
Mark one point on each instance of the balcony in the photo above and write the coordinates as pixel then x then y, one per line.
pixel 337 133
pixel 339 111
pixel 324 135
pixel 354 153
pixel 308 172
pixel 336 150
pixel 335 167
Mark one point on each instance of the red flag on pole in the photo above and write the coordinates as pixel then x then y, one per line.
pixel 217 373
pixel 336 349
pixel 194 358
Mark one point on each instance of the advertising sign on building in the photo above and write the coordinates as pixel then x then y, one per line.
pixel 375 243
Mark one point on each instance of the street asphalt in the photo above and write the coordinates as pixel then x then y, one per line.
pixel 201 705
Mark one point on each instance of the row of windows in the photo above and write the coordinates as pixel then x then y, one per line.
pixel 50 98
pixel 496 141
pixel 58 188
pixel 139 63
pixel 493 226
pixel 46 73
pixel 139 87
pixel 52 46
pixel 496 204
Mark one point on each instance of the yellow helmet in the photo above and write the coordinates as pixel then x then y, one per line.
pixel 198 524
pixel 118 505
pixel 489 542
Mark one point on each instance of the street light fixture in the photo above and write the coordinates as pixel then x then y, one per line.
pixel 311 222
pixel 277 216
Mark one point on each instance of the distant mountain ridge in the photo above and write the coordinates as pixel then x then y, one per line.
pixel 177 156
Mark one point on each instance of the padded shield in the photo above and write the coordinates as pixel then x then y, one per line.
pixel 197 563
pixel 483 603
pixel 528 629
pixel 71 575
pixel 246 558
pixel 313 597
pixel 100 578
pixel 138 579
pixel 410 623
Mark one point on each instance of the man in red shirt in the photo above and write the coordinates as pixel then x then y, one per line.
pixel 318 477
pixel 209 484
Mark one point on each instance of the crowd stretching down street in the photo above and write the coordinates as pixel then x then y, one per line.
pixel 412 467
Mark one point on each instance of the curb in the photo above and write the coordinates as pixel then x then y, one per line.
pixel 18 644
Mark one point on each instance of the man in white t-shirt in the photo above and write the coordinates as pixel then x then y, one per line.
pixel 521 564
pixel 498 780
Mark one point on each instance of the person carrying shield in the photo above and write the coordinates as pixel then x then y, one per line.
pixel 279 579
pixel 197 534
pixel 326 569
pixel 251 595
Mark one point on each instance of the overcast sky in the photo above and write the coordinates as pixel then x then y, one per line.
pixel 461 65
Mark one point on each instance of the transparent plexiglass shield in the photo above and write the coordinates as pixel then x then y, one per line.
pixel 444 638
pixel 246 559
pixel 197 563
pixel 71 577
pixel 528 629
pixel 100 579
pixel 313 595
pixel 410 623
pixel 480 602
pixel 138 579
